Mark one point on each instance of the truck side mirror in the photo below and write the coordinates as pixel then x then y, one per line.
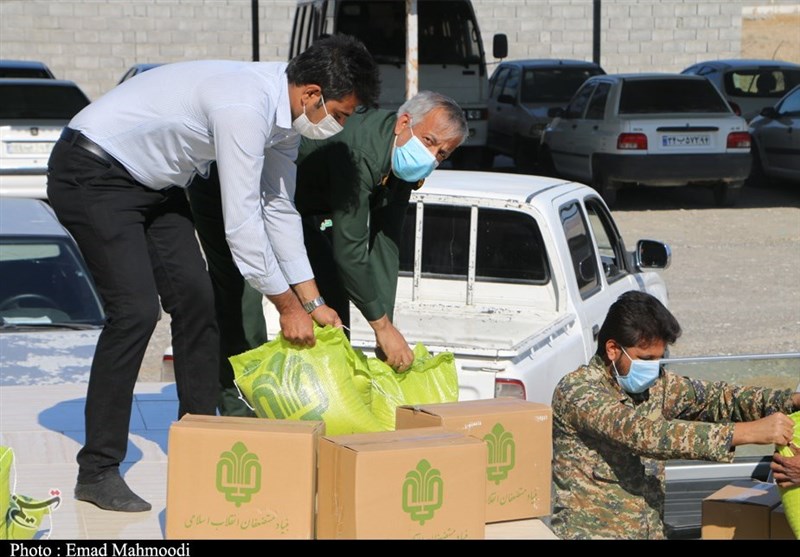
pixel 500 45
pixel 651 254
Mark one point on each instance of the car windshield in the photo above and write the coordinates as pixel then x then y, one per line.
pixel 46 102
pixel 663 96
pixel 761 83
pixel 554 84
pixel 45 282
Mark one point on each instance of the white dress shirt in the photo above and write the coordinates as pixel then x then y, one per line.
pixel 170 123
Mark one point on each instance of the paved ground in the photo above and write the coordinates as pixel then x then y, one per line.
pixel 733 283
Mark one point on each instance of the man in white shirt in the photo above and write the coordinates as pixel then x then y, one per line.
pixel 117 181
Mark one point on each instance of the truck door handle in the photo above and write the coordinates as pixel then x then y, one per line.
pixel 595 331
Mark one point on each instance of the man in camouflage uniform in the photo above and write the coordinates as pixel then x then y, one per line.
pixel 616 420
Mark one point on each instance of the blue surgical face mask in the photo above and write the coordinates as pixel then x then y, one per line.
pixel 412 162
pixel 641 375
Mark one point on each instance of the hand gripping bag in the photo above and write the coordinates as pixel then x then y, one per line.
pixel 429 380
pixel 790 496
pixel 284 381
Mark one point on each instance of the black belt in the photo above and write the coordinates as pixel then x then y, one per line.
pixel 74 137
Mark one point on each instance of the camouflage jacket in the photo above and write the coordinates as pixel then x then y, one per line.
pixel 609 447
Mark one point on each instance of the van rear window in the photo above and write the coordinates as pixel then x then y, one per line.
pixel 663 96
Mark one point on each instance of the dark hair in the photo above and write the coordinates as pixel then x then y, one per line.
pixel 340 65
pixel 637 317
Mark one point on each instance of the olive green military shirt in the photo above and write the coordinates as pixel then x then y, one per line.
pixel 348 179
pixel 609 447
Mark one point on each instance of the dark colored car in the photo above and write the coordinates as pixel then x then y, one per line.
pixel 520 94
pixel 776 139
pixel 25 68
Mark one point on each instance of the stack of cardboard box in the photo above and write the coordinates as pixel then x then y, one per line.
pixel 446 471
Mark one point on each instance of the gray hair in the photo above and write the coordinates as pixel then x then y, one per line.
pixel 423 102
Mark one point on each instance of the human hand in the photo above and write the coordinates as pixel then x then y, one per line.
pixel 786 469
pixel 391 345
pixel 776 428
pixel 326 315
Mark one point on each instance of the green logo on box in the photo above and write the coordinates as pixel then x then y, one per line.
pixel 423 492
pixel 238 474
pixel 290 390
pixel 501 453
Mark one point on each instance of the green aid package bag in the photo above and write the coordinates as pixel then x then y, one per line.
pixel 22 515
pixel 790 496
pixel 6 461
pixel 430 380
pixel 323 382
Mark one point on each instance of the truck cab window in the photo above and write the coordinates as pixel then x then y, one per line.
pixel 609 242
pixel 581 248
pixel 510 248
pixel 445 241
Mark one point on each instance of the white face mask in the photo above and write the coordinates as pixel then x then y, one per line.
pixel 325 128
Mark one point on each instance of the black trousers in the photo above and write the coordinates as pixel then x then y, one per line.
pixel 139 244
pixel 240 313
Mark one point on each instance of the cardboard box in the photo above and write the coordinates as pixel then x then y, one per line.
pixel 779 528
pixel 519 435
pixel 412 484
pixel 739 511
pixel 246 478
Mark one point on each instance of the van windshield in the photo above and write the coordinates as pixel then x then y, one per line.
pixel 448 33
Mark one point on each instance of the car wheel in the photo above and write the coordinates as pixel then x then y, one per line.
pixel 727 194
pixel 546 165
pixel 525 155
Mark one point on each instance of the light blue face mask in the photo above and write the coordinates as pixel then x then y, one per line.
pixel 412 162
pixel 641 375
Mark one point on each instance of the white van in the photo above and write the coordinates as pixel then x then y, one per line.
pixel 451 56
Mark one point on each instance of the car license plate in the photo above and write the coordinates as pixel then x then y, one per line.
pixel 29 148
pixel 686 140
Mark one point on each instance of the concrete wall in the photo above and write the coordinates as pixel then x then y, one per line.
pixel 93 42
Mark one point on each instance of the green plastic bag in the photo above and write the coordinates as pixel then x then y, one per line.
pixel 337 384
pixel 323 382
pixel 22 515
pixel 6 461
pixel 790 496
pixel 429 380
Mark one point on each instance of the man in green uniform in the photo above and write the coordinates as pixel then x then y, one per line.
pixel 353 192
pixel 618 419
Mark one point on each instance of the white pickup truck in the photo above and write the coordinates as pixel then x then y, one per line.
pixel 514 274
